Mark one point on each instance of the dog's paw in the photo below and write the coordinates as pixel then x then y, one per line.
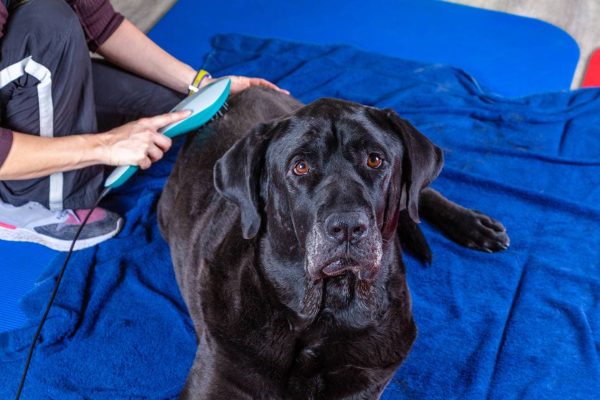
pixel 481 232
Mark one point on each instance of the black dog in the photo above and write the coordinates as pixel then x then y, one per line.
pixel 291 268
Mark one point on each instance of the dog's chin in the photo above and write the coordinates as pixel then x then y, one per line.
pixel 341 283
pixel 346 297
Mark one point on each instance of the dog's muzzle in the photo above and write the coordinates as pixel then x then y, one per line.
pixel 345 242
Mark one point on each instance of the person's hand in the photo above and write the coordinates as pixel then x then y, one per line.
pixel 139 142
pixel 240 83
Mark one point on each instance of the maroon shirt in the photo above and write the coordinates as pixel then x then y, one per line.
pixel 98 19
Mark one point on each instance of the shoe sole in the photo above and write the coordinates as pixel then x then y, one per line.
pixel 26 235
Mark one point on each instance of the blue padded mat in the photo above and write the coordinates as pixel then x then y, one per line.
pixel 20 266
pixel 508 54
pixel 522 324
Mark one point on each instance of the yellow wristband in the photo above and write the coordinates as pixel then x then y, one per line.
pixel 200 76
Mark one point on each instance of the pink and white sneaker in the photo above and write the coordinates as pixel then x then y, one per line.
pixel 33 222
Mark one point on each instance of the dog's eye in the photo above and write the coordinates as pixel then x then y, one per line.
pixel 374 161
pixel 301 168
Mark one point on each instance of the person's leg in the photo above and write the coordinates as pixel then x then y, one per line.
pixel 46 89
pixel 122 97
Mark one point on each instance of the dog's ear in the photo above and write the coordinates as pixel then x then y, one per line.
pixel 422 162
pixel 237 176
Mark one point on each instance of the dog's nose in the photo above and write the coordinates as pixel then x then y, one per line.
pixel 347 226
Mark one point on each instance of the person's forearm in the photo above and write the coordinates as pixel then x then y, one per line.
pixel 135 143
pixel 132 50
pixel 32 156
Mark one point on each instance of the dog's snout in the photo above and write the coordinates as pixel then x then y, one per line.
pixel 347 226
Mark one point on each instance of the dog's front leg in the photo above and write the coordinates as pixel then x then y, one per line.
pixel 206 381
pixel 467 227
pixel 215 376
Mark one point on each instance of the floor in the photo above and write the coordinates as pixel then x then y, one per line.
pixel 579 18
pixel 143 13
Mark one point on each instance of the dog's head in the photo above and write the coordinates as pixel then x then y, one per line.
pixel 330 180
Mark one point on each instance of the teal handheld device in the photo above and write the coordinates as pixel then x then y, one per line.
pixel 204 104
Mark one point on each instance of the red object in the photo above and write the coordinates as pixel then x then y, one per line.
pixel 592 73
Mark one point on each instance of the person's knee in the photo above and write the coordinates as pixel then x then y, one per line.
pixel 46 24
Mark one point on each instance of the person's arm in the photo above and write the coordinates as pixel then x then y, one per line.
pixel 136 143
pixel 132 50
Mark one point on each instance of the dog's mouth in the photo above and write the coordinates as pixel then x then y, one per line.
pixel 341 265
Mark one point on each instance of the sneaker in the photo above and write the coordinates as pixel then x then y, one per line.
pixel 33 222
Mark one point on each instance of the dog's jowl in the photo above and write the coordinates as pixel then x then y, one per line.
pixel 285 225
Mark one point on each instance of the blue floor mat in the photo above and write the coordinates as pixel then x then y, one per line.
pixel 510 55
pixel 20 266
pixel 521 324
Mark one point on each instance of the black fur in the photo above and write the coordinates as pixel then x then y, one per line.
pixel 295 283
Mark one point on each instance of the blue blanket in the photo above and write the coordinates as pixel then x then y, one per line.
pixel 522 324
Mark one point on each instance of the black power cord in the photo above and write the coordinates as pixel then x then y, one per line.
pixel 53 296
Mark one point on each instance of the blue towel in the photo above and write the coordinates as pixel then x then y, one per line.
pixel 521 324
